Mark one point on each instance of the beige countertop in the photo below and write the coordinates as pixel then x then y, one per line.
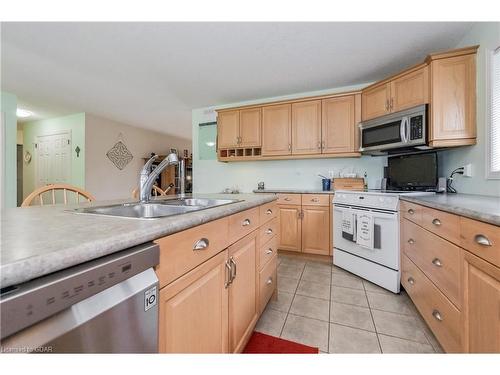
pixel 39 240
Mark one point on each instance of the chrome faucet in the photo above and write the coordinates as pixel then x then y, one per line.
pixel 148 177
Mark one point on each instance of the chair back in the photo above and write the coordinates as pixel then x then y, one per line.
pixel 50 194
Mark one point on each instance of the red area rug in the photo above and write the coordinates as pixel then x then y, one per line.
pixel 261 343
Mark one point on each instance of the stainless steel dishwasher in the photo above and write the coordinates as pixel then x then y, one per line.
pixel 107 305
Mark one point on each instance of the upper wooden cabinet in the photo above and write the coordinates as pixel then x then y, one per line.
pixel 306 127
pixel 250 127
pixel 239 128
pixel 339 125
pixel 228 124
pixel 276 130
pixel 453 106
pixel 405 91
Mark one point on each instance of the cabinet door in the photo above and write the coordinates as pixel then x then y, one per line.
pixel 481 305
pixel 306 128
pixel 453 107
pixel 193 314
pixel 410 90
pixel 290 228
pixel 316 230
pixel 339 128
pixel 375 101
pixel 276 130
pixel 228 129
pixel 243 299
pixel 250 127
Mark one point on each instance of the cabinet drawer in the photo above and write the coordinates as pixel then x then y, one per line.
pixel 183 251
pixel 411 211
pixel 268 212
pixel 442 223
pixel 268 231
pixel 437 258
pixel 481 239
pixel 315 199
pixel 242 223
pixel 442 317
pixel 289 199
pixel 267 282
pixel 267 252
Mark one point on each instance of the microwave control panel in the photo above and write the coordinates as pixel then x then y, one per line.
pixel 416 127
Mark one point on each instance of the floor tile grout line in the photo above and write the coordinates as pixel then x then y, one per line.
pixel 330 308
pixel 404 339
pixel 293 299
pixel 373 320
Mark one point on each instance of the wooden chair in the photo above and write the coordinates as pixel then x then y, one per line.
pixel 155 192
pixel 52 190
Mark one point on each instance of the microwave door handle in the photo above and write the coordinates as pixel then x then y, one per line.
pixel 408 129
pixel 402 130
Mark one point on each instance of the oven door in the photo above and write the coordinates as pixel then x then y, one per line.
pixel 382 136
pixel 386 236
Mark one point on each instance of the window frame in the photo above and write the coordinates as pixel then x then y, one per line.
pixel 490 174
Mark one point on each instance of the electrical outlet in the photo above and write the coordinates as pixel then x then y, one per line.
pixel 468 170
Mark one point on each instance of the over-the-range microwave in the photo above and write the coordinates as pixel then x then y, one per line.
pixel 401 130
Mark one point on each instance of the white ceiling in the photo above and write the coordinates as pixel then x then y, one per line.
pixel 152 74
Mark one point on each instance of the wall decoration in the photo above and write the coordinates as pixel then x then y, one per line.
pixel 77 150
pixel 119 155
pixel 27 157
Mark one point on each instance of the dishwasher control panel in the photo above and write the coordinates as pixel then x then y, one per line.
pixel 33 301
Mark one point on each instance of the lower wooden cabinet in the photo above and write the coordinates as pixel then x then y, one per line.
pixel 243 296
pixel 316 230
pixel 193 310
pixel 481 312
pixel 290 227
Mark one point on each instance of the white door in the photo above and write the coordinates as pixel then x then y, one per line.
pixel 53 158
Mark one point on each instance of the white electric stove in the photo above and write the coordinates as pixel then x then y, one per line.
pixel 366 234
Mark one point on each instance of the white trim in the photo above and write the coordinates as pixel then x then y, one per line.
pixel 490 175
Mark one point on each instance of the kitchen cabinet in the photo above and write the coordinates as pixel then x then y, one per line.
pixel 290 227
pixel 228 125
pixel 276 130
pixel 193 310
pixel 243 292
pixel 316 230
pixel 306 127
pixel 481 305
pixel 453 106
pixel 250 127
pixel 375 101
pixel 339 126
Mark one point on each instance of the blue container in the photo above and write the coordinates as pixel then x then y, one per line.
pixel 326 184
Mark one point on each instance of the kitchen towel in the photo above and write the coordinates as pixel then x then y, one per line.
pixel 364 230
pixel 348 222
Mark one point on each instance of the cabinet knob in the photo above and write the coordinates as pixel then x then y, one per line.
pixel 437 262
pixel 269 281
pixel 437 315
pixel 201 244
pixel 411 211
pixel 411 280
pixel 269 231
pixel 411 241
pixel 269 251
pixel 269 211
pixel 482 240
pixel 245 223
pixel 436 222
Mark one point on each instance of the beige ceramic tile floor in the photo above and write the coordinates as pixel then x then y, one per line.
pixel 326 307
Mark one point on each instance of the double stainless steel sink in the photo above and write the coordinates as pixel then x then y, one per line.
pixel 156 208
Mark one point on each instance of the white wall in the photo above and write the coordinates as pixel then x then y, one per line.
pixel 487 35
pixel 212 176
pixel 102 178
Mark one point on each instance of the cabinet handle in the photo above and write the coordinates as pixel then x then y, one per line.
pixel 436 222
pixel 245 223
pixel 323 144
pixel 411 211
pixel 289 147
pixel 392 103
pixel 228 274
pixel 437 315
pixel 319 145
pixel 233 269
pixel 287 199
pixel 269 211
pixel 411 241
pixel 269 251
pixel 387 104
pixel 411 280
pixel 269 281
pixel 482 240
pixel 269 231
pixel 437 262
pixel 315 200
pixel 201 244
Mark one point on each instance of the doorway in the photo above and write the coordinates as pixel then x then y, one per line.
pixel 19 174
pixel 53 159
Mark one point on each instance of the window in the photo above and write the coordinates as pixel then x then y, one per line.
pixel 493 149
